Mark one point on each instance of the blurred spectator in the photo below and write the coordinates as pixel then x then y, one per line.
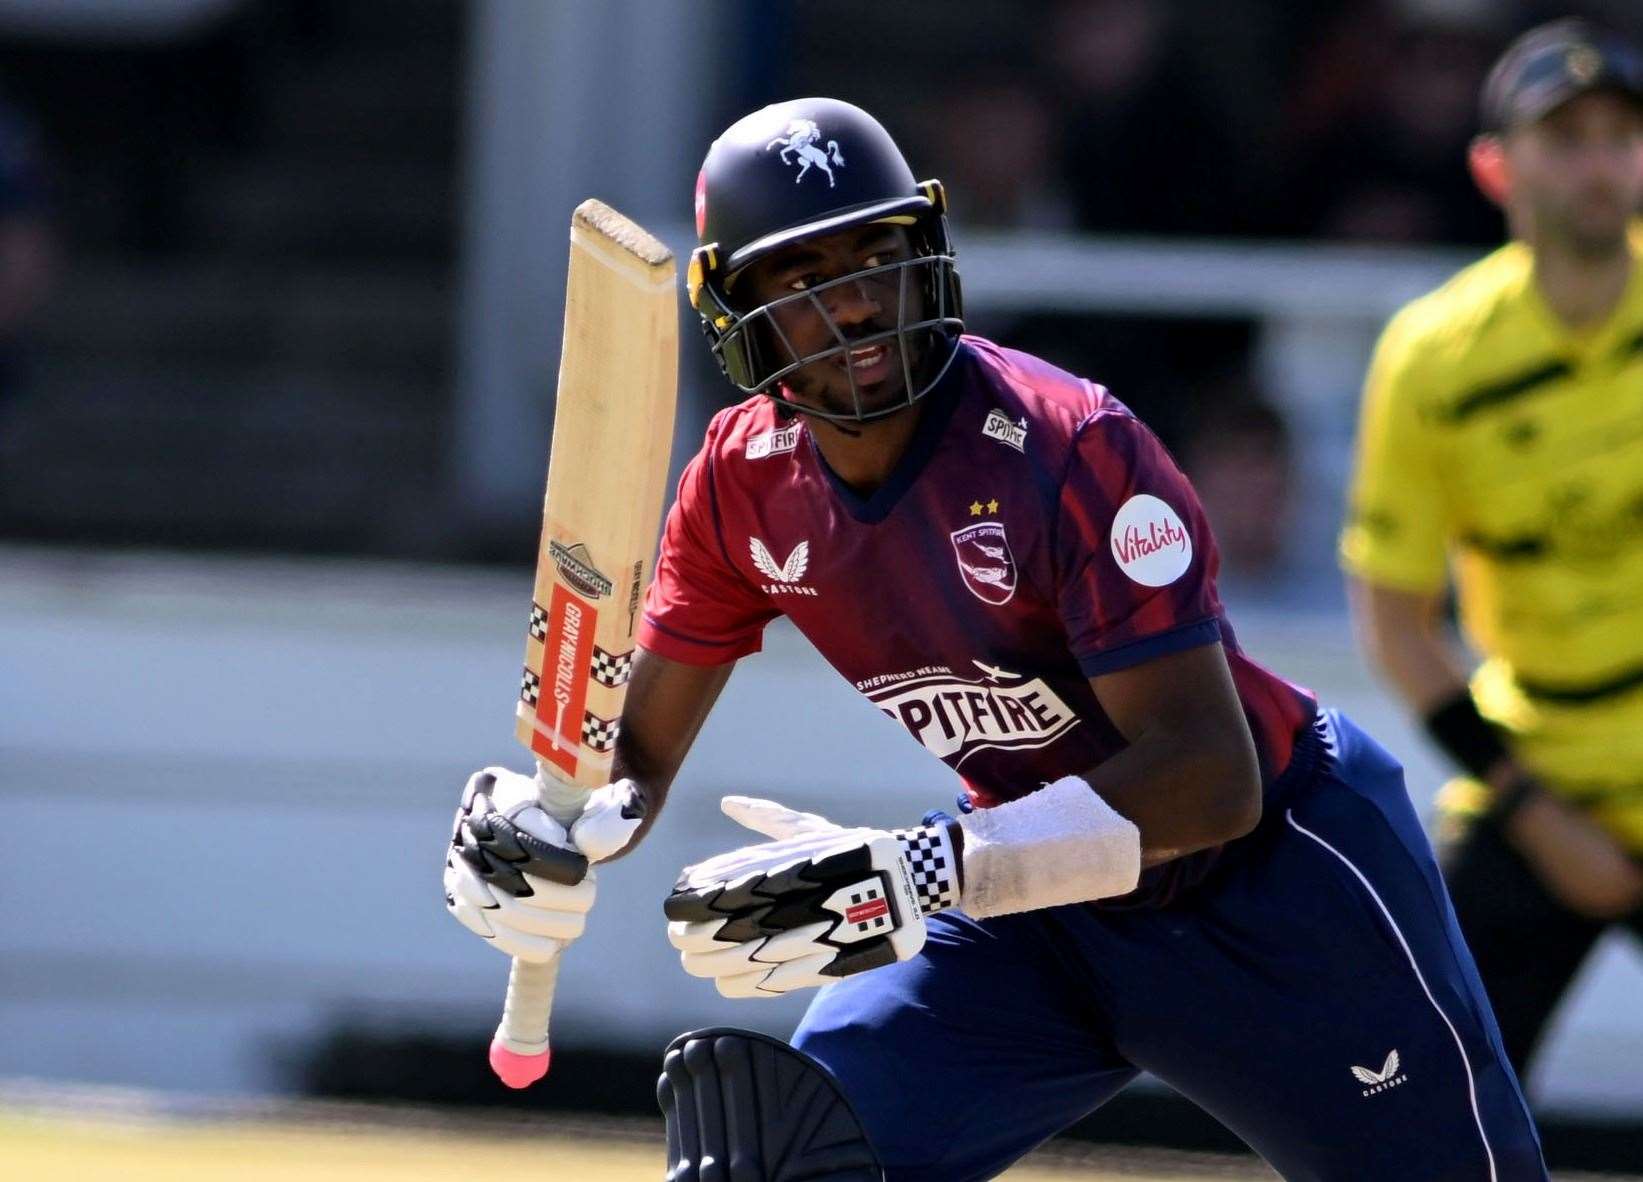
pixel 994 145
pixel 1237 454
pixel 26 245
pixel 1384 162
pixel 142 97
pixel 1144 150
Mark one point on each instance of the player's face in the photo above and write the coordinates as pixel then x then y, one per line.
pixel 1579 171
pixel 853 309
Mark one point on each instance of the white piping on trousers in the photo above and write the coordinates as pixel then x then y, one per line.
pixel 1471 1083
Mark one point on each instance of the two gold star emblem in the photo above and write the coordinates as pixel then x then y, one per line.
pixel 976 507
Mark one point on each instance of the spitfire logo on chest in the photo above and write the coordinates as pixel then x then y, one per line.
pixel 985 561
pixel 955 717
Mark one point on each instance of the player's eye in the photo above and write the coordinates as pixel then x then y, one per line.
pixel 883 256
pixel 805 282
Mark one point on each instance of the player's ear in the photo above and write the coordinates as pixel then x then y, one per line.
pixel 1486 158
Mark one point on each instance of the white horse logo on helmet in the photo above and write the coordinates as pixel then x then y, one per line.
pixel 800 141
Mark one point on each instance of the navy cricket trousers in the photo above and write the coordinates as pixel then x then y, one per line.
pixel 1313 993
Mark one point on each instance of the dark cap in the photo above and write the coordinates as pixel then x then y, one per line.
pixel 1551 64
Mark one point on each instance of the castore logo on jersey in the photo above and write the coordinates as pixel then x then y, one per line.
pixel 786 574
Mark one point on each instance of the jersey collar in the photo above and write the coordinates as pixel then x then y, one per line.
pixel 936 411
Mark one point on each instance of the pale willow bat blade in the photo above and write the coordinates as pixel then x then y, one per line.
pixel 607 472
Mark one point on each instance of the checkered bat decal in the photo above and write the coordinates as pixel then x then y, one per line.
pixel 598 734
pixel 612 669
pixel 845 890
pixel 605 667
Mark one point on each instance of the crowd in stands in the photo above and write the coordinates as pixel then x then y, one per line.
pixel 1340 119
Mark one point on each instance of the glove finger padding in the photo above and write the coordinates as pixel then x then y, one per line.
pixel 772 819
pixel 810 908
pixel 724 960
pixel 609 820
pixel 768 857
pixel 809 973
pixel 511 874
pixel 694 937
pixel 503 837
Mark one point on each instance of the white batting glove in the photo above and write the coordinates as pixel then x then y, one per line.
pixel 514 876
pixel 817 903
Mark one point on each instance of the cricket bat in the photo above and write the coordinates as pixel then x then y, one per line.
pixel 607 468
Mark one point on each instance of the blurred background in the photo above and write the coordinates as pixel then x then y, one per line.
pixel 279 301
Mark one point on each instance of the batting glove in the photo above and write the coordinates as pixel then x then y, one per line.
pixel 816 903
pixel 516 877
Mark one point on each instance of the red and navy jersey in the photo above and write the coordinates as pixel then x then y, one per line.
pixel 1034 534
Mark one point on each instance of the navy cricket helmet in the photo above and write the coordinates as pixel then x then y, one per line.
pixel 802 169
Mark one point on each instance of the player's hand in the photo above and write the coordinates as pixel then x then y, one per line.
pixel 514 876
pixel 1577 860
pixel 816 903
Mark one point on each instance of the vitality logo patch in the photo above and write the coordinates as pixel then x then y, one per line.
pixel 1149 542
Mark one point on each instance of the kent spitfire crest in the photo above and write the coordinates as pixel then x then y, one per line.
pixel 985 561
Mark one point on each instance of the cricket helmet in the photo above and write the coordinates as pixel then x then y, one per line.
pixel 798 170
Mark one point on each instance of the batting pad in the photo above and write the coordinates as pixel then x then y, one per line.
pixel 745 1107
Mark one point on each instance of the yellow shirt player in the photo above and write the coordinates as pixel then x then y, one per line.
pixel 1500 453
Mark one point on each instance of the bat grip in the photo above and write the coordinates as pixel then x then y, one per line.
pixel 519 1051
pixel 561 801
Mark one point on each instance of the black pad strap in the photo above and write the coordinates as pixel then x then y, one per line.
pixel 744 1107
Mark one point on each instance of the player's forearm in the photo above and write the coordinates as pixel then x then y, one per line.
pixel 1185 786
pixel 652 779
pixel 1402 634
pixel 667 703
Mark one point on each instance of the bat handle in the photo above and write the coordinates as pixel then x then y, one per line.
pixel 519 1051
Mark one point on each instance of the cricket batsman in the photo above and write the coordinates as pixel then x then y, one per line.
pixel 1163 857
pixel 1501 453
